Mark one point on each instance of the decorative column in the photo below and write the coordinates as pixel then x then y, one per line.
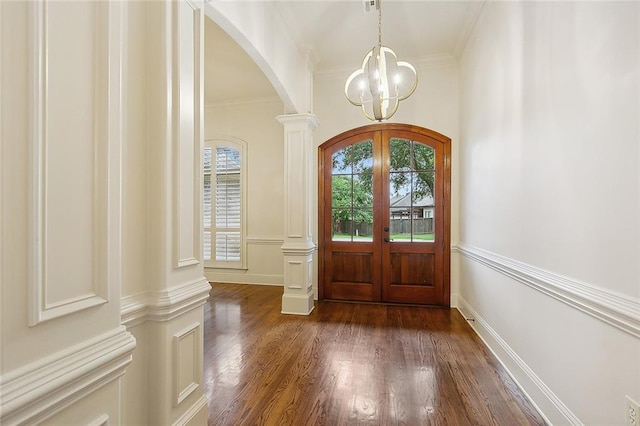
pixel 176 288
pixel 298 246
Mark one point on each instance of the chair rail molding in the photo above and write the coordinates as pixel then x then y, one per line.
pixel 617 310
pixel 164 305
pixel 37 391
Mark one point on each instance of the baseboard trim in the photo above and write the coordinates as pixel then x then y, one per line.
pixel 196 414
pixel 540 395
pixel 37 391
pixel 297 304
pixel 618 310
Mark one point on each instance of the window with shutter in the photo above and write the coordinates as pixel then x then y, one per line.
pixel 223 212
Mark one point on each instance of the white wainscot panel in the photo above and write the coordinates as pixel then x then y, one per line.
pixel 187 362
pixel 187 133
pixel 294 274
pixel 70 147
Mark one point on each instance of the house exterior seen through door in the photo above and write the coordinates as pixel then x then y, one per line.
pixel 384 215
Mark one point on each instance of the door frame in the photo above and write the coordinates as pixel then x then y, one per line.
pixel 446 196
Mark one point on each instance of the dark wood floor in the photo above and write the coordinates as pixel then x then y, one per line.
pixel 348 364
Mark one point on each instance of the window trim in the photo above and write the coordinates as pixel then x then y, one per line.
pixel 241 146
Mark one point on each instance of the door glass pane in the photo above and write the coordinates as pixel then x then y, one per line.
pixel 399 154
pixel 362 156
pixel 423 206
pixel 362 190
pixel 400 208
pixel 362 224
pixel 352 192
pixel 411 184
pixel 341 189
pixel 341 224
pixel 340 163
pixel 423 157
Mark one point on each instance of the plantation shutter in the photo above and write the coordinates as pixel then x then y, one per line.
pixel 207 202
pixel 227 204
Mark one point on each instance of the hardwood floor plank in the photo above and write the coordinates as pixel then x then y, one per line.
pixel 350 364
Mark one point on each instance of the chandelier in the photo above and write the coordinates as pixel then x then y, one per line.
pixel 382 82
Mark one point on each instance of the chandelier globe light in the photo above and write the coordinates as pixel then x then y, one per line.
pixel 382 81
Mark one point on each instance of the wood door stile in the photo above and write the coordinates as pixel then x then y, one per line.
pixel 350 264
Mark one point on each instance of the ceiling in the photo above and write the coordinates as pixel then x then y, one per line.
pixel 338 33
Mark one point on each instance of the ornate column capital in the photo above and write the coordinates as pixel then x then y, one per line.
pixel 306 118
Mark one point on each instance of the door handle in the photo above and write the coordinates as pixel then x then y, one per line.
pixel 386 240
pixel 386 229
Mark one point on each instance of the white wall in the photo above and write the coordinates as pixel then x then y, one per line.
pixel 63 349
pixel 260 29
pixel 100 200
pixel 256 124
pixel 135 389
pixel 549 200
pixel 434 105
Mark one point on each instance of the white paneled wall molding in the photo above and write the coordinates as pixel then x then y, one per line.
pixel 192 412
pixel 187 104
pixel 39 390
pixel 95 142
pixel 164 305
pixel 133 309
pixel 618 310
pixel 170 303
pixel 521 373
pixel 298 246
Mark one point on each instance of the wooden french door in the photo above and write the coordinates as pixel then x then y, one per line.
pixel 384 215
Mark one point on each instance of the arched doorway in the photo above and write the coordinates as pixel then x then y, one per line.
pixel 384 215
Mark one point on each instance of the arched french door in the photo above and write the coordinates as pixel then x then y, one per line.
pixel 384 215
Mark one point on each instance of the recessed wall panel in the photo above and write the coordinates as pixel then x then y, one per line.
pixel 295 187
pixel 187 133
pixel 70 141
pixel 69 144
pixel 187 362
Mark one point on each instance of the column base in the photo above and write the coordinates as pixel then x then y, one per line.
pixel 296 304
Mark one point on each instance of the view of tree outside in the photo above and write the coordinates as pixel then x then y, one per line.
pixel 412 172
pixel 352 192
pixel 412 168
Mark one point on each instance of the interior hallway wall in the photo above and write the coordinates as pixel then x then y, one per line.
pixel 549 200
pixel 434 105
pixel 63 349
pixel 256 124
pixel 135 260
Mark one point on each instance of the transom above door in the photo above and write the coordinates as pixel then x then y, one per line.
pixel 384 215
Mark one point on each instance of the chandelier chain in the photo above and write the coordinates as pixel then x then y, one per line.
pixel 379 23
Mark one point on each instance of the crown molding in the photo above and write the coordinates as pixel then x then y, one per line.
pixel 475 9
